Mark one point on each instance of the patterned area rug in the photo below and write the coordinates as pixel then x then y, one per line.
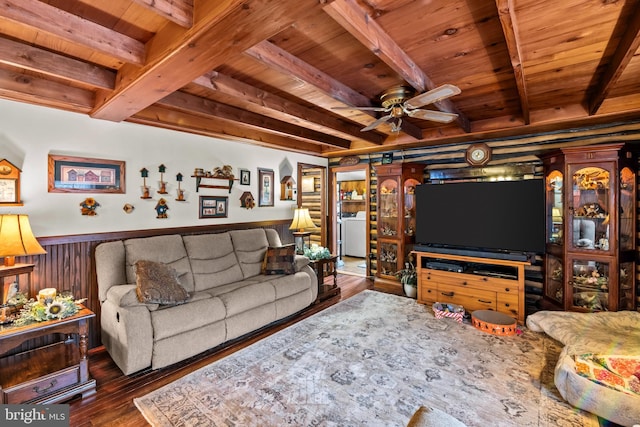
pixel 372 360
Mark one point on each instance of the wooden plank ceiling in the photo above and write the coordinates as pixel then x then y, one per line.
pixel 272 72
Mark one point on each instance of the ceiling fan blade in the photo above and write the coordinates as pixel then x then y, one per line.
pixel 376 123
pixel 435 116
pixel 434 95
pixel 361 108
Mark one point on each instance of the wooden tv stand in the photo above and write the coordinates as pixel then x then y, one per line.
pixel 483 283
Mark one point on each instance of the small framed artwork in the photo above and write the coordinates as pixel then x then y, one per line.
pixel 213 206
pixel 84 175
pixel 245 177
pixel 387 158
pixel 265 187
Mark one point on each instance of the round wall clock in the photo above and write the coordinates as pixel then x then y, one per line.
pixel 478 154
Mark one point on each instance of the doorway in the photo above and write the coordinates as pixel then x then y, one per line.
pixel 350 218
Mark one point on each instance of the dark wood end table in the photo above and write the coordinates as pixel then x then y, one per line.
pixel 326 267
pixel 51 373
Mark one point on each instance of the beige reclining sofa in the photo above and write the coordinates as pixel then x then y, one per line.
pixel 228 295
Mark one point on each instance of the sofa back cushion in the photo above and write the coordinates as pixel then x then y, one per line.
pixel 250 247
pixel 168 250
pixel 213 260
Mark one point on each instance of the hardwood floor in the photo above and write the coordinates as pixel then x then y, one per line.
pixel 112 405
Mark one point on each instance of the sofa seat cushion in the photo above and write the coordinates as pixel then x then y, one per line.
pixel 244 298
pixel 168 250
pixel 290 284
pixel 202 310
pixel 250 247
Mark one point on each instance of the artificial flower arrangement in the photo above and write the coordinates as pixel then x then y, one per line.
pixel 317 252
pixel 59 307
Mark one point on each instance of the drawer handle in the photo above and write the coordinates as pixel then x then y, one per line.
pixel 464 283
pixel 485 301
pixel 507 289
pixel 46 389
pixel 485 278
pixel 447 294
pixel 507 305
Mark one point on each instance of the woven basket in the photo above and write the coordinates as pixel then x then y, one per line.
pixel 453 311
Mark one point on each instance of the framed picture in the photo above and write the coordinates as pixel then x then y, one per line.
pixel 84 175
pixel 265 187
pixel 387 158
pixel 213 206
pixel 245 177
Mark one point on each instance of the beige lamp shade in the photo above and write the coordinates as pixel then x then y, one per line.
pixel 17 239
pixel 302 220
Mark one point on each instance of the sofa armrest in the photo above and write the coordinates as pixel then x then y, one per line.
pixel 299 261
pixel 126 296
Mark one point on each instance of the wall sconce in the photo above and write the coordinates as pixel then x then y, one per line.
pixel 302 222
pixel 17 239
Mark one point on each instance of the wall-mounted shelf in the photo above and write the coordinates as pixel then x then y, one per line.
pixel 224 187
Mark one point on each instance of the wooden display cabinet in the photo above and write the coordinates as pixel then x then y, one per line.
pixel 396 219
pixel 590 228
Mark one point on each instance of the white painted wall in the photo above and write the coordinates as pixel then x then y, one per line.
pixel 28 134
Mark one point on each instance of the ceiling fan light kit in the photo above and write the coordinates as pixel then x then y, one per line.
pixel 401 101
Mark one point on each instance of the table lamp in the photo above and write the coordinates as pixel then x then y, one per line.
pixel 301 222
pixel 17 239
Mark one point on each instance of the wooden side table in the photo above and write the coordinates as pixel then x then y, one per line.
pixel 49 374
pixel 326 267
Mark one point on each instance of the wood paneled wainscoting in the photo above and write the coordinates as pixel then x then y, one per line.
pixel 69 264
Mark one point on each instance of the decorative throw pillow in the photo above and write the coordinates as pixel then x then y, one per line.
pixel 157 283
pixel 279 260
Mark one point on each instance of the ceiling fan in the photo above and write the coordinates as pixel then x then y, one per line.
pixel 399 101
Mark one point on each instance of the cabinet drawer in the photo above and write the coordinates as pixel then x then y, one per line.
pixel 508 304
pixel 41 387
pixel 470 280
pixel 427 293
pixel 470 299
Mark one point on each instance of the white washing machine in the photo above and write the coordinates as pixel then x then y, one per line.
pixel 355 235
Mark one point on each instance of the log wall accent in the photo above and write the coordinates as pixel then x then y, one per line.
pixel 516 156
pixel 69 264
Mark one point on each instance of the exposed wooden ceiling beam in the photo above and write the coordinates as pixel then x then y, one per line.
pixel 357 21
pixel 625 50
pixel 263 102
pixel 195 104
pixel 33 90
pixel 509 23
pixel 223 29
pixel 168 118
pixel 287 63
pixel 178 11
pixel 20 55
pixel 57 22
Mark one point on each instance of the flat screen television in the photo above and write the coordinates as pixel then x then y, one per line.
pixel 500 217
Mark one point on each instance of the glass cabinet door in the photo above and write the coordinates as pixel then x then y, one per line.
pixel 626 291
pixel 590 285
pixel 591 201
pixel 555 279
pixel 554 184
pixel 410 206
pixel 388 200
pixel 388 258
pixel 627 206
